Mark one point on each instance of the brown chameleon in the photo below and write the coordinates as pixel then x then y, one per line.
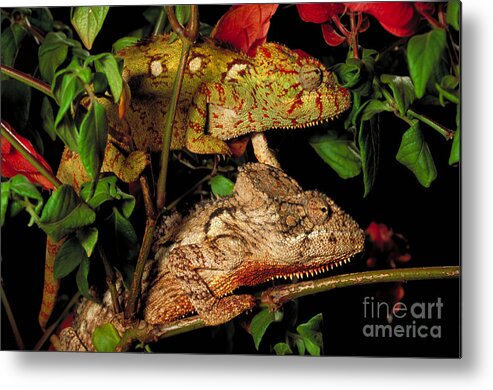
pixel 225 94
pixel 268 228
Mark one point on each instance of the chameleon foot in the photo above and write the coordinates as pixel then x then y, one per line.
pixel 227 308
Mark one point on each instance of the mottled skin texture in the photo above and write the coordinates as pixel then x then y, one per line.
pixel 225 93
pixel 268 228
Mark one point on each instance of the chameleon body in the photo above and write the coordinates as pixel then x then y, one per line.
pixel 268 228
pixel 225 94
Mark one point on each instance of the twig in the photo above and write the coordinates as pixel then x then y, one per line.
pixel 447 133
pixel 277 296
pixel 27 79
pixel 11 318
pixel 188 36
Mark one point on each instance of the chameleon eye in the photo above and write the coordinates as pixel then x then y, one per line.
pixel 318 210
pixel 311 77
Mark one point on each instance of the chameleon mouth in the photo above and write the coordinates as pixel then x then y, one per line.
pixel 308 124
pixel 311 272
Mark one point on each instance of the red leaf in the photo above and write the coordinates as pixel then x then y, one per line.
pixel 14 163
pixel 319 13
pixel 245 26
pixel 398 18
pixel 331 36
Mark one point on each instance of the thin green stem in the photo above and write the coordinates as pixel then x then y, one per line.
pixel 27 79
pixel 110 279
pixel 187 37
pixel 11 318
pixel 19 146
pixel 447 133
pixel 159 27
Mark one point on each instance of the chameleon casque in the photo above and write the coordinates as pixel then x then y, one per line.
pixel 217 248
pixel 225 94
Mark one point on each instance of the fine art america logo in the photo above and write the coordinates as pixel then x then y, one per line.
pixel 417 320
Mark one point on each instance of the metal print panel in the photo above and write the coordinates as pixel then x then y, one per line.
pixel 251 179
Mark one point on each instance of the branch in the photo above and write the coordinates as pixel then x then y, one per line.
pixel 27 79
pixel 277 296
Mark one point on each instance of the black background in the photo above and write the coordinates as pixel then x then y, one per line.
pixel 429 218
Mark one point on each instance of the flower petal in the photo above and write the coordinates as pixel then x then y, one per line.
pixel 331 36
pixel 14 163
pixel 245 26
pixel 398 18
pixel 319 13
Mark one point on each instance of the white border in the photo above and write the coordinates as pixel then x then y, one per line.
pixel 474 370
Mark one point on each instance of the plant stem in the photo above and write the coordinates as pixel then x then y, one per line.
pixel 279 295
pixel 53 326
pixel 11 318
pixel 187 42
pixel 447 133
pixel 7 132
pixel 110 280
pixel 27 79
pixel 159 27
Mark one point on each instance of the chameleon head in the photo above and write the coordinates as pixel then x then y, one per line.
pixel 316 234
pixel 298 91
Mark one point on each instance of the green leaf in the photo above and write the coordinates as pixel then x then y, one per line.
pixel 70 87
pixel 282 349
pixel 311 335
pixel 455 151
pixel 68 258
pixel 415 154
pixel 182 13
pixel 67 131
pixel 221 186
pixel 24 188
pixel 106 63
pixel 447 89
pixel 52 53
pixel 42 18
pixel 122 43
pixel 339 152
pixel 260 323
pixel 120 236
pixel 453 14
pixel 300 345
pixel 372 107
pixel 369 148
pixel 48 119
pixel 88 238
pixel 65 212
pixel 107 190
pixel 105 338
pixel 4 200
pixel 81 278
pixel 10 42
pixel 403 90
pixel 88 21
pixel 423 56
pixel 92 139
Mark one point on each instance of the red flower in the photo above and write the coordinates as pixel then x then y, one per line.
pixel 14 163
pixel 245 26
pixel 324 14
pixel 397 17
